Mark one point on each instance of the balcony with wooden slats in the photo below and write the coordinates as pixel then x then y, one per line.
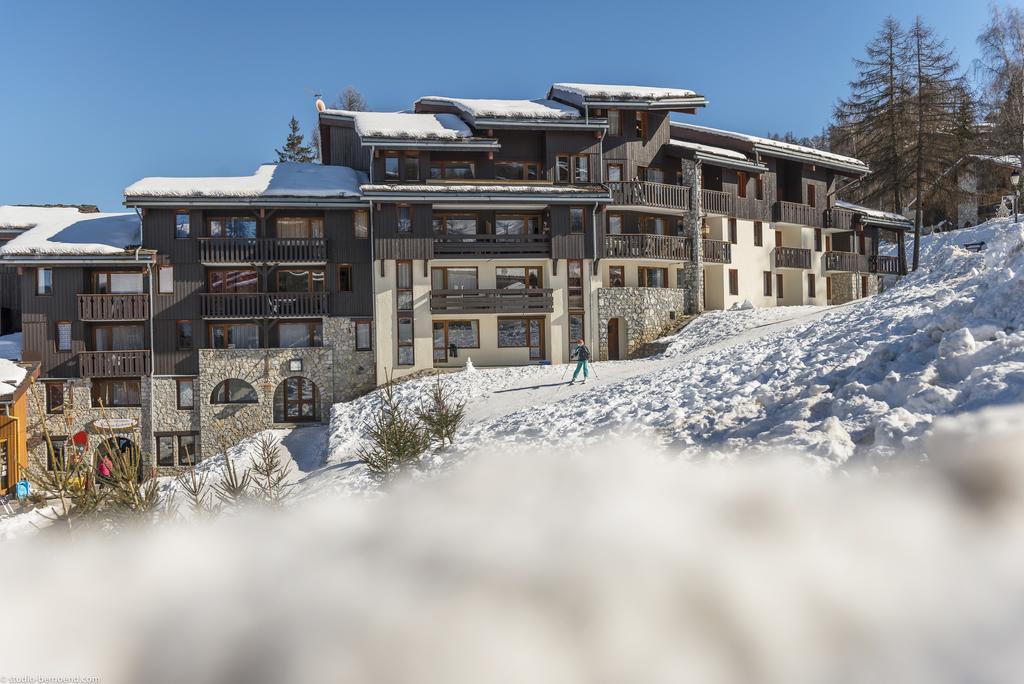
pixel 645 246
pixel 798 214
pixel 113 307
pixel 839 219
pixel 717 251
pixel 262 250
pixel 488 246
pixel 649 194
pixel 114 364
pixel 843 262
pixel 717 203
pixel 526 300
pixel 264 305
pixel 792 257
pixel 884 265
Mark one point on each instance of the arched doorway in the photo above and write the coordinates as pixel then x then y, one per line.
pixel 297 400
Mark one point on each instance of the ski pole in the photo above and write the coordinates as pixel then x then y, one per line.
pixel 593 367
pixel 564 372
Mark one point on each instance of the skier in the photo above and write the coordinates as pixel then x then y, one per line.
pixel 583 362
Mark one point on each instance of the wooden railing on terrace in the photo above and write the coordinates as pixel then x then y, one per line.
pixel 648 194
pixel 113 364
pixel 645 246
pixel 265 305
pixel 113 307
pixel 262 250
pixel 792 257
pixel 799 214
pixel 526 300
pixel 477 246
pixel 717 251
pixel 843 262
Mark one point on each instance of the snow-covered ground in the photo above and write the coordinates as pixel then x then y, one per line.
pixel 10 347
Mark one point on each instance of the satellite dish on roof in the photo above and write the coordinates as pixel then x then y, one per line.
pixel 320 106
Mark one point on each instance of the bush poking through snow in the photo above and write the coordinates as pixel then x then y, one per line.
pixel 443 414
pixel 269 472
pixel 233 489
pixel 395 437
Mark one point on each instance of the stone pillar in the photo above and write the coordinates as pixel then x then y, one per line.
pixel 694 279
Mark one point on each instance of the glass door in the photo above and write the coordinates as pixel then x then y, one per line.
pixel 535 338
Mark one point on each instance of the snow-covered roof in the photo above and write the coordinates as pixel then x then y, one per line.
pixel 60 231
pixel 410 126
pixel 284 180
pixel 777 147
pixel 1010 161
pixel 578 93
pixel 886 216
pixel 505 109
pixel 709 149
pixel 11 375
pixel 528 189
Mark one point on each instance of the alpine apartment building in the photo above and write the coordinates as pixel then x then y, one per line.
pixel 497 230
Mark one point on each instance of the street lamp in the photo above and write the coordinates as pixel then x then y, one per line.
pixel 1015 181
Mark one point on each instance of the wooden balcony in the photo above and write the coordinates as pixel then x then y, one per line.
pixel 644 246
pixel 262 250
pixel 113 364
pixel 839 219
pixel 487 246
pixel 647 194
pixel 843 262
pixel 526 300
pixel 752 209
pixel 265 305
pixel 792 257
pixel 798 214
pixel 717 252
pixel 113 307
pixel 715 202
pixel 885 265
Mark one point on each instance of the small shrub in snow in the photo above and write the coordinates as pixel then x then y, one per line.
pixel 269 471
pixel 395 437
pixel 233 489
pixel 443 414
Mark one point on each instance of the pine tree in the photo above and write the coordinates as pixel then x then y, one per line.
pixel 395 437
pixel 295 149
pixel 443 414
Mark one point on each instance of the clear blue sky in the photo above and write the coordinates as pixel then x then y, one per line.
pixel 95 94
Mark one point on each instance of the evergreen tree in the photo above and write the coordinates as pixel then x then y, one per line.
pixel 295 149
pixel 443 414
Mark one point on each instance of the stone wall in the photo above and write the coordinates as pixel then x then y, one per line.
pixel 846 287
pixel 693 282
pixel 646 312
pixel 354 373
pixel 167 417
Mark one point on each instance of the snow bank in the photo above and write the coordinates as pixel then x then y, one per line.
pixel 54 231
pixel 407 126
pixel 716 327
pixel 10 347
pixel 609 566
pixel 505 109
pixel 597 91
pixel 289 179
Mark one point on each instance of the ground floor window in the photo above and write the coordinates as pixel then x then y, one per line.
pixel 177 449
pixel 522 332
pixel 234 336
pixel 301 334
pixel 234 391
pixel 811 286
pixel 734 281
pixel 186 393
pixel 576 325
pixel 296 400
pixel 863 286
pixel 779 280
pixel 116 393
pixel 616 276
pixel 364 335
pixel 451 336
pixel 767 283
pixel 653 277
pixel 54 397
pixel 4 455
pixel 56 453
pixel 406 348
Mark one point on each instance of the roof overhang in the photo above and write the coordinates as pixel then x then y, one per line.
pixel 227 202
pixel 808 158
pixel 595 124
pixel 717 160
pixel 465 145
pixel 490 196
pixel 890 224
pixel 144 256
pixel 687 105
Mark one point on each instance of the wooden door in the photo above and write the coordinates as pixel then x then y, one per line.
pixel 778 285
pixel 613 339
pixel 299 400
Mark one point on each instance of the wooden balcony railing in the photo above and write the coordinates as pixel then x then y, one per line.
pixel 886 265
pixel 644 246
pixel 799 214
pixel 262 250
pixel 113 307
pixel 717 252
pixel 113 364
pixel 526 300
pixel 841 219
pixel 717 202
pixel 648 194
pixel 752 209
pixel 792 257
pixel 265 305
pixel 843 262
pixel 482 246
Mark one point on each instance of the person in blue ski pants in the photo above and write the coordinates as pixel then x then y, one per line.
pixel 582 354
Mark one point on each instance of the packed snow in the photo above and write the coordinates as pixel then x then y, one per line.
pixel 10 346
pixel 875 213
pixel 11 375
pixel 286 179
pixel 409 126
pixel 505 109
pixel 709 149
pixel 598 91
pixel 62 231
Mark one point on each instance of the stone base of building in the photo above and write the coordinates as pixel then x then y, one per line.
pixel 638 315
pixel 847 287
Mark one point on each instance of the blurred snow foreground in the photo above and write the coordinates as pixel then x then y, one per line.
pixel 618 565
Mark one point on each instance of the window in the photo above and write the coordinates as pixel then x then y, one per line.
pixel 404 218
pixel 116 393
pixel 451 336
pixel 234 391
pixel 522 332
pixel 165 278
pixel 452 170
pixel 778 285
pixel 615 224
pixel 118 337
pixel 364 335
pixel 186 393
pixel 516 171
pixel 767 283
pixel 812 286
pixel 733 238
pixel 455 224
pixel 233 227
pixel 411 166
pixel 741 184
pixel 575 331
pixel 778 238
pixel 404 285
pixel 300 227
pixel 56 454
pixel 361 224
pixel 44 281
pixel 232 282
pixel 759 188
pixel 63 336
pixel 345 278
pixel 454 278
pixel 734 281
pixel 817 239
pixel 562 174
pixel 117 282
pixel 511 224
pixel 863 286
pixel 581 168
pixel 655 175
pixel 758 234
pixel 406 351
pixel 576 219
pixel 300 334
pixel 680 278
pixel 391 166
pixel 575 283
pixel 812 198
pixel 614 123
pixel 234 336
pixel 517 277
pixel 828 288
pixel 54 397
pixel 176 450
pixel 183 335
pixel 641 125
pixel 615 172
pixel 652 277
pixel 300 281
pixel 182 224
pixel 653 225
pixel 616 276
